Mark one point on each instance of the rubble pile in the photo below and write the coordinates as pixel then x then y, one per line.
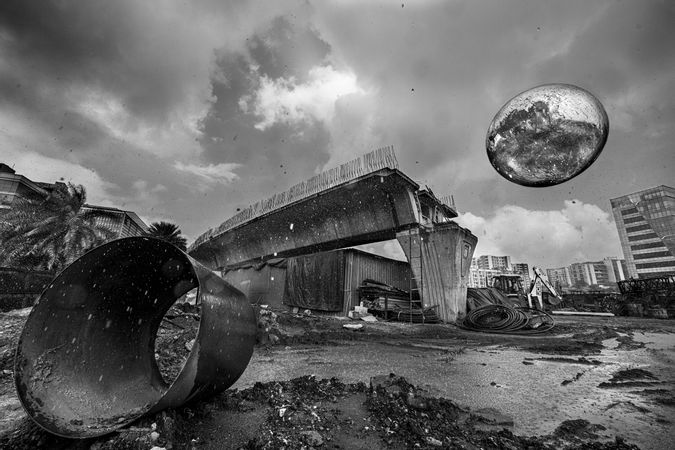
pixel 175 337
pixel 269 332
pixel 306 412
pixel 408 417
pixel 300 413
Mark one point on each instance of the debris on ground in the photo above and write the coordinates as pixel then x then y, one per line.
pixel 307 412
pixel 630 378
pixel 177 332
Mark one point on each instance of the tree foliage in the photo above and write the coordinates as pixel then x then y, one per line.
pixel 168 232
pixel 47 233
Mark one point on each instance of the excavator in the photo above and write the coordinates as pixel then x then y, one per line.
pixel 511 286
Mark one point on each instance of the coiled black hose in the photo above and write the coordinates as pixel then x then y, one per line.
pixel 507 320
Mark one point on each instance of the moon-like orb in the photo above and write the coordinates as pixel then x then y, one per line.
pixel 547 135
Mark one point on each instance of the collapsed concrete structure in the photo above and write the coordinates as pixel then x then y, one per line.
pixel 363 201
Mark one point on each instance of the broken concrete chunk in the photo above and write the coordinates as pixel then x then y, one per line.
pixel 433 441
pixel 353 326
pixel 313 438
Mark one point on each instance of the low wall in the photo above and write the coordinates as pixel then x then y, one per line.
pixel 20 288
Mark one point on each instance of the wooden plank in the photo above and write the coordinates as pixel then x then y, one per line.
pixel 582 313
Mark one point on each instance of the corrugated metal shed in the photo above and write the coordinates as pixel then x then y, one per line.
pixel 315 281
pixel 360 266
pixel 330 280
pixel 263 284
pixel 326 282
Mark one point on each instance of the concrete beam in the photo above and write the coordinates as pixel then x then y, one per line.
pixel 371 208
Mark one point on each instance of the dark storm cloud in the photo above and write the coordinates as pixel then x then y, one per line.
pixel 287 48
pixel 169 102
pixel 628 43
pixel 280 155
pixel 154 62
pixel 66 43
pixel 62 36
pixel 229 133
pixel 433 67
pixel 625 57
pixel 116 87
pixel 464 60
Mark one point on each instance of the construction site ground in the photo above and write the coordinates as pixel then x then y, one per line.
pixel 593 382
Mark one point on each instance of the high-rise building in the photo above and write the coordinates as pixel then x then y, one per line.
pixel 616 269
pixel 559 277
pixel 589 273
pixel 581 274
pixel 490 262
pixel 522 269
pixel 485 267
pixel 600 272
pixel 480 278
pixel 646 224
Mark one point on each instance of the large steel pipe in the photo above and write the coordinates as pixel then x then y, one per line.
pixel 85 364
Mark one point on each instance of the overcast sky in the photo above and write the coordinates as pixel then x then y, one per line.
pixel 186 111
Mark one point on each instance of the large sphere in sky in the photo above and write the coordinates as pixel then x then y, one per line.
pixel 547 135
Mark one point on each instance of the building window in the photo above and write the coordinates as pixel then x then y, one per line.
pixel 628 211
pixel 642 237
pixel 638 228
pixel 632 220
pixel 655 265
pixel 651 255
pixel 646 246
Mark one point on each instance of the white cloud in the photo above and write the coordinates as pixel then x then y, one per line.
pixel 389 249
pixel 284 100
pixel 211 174
pixel 578 232
pixel 41 168
pixel 177 135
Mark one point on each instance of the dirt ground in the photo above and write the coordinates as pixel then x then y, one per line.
pixel 591 383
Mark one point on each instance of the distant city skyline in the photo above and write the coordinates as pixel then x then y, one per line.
pixel 588 273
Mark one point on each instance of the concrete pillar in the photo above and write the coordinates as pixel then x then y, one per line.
pixel 440 258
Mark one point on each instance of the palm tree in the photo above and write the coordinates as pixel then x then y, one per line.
pixel 168 232
pixel 47 233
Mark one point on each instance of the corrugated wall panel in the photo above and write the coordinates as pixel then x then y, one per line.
pixel 264 286
pixel 360 266
pixel 315 281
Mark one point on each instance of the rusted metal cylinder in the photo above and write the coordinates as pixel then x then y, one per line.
pixel 85 364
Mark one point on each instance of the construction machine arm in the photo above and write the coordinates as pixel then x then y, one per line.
pixel 540 279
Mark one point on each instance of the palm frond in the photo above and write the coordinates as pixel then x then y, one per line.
pixel 47 233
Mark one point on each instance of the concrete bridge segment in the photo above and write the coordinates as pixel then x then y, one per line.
pixel 381 205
